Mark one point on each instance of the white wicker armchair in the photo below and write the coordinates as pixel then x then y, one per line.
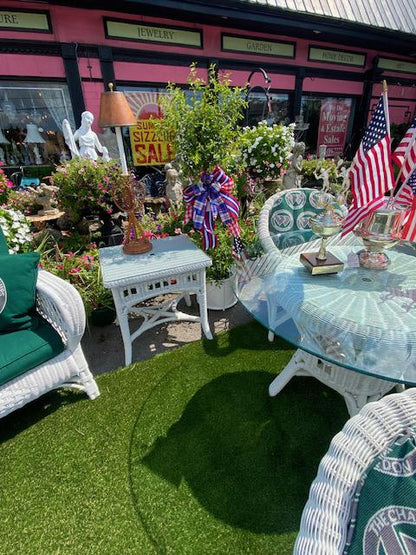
pixel 325 517
pixel 61 305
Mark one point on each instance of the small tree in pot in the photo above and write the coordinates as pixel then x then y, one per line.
pixel 202 123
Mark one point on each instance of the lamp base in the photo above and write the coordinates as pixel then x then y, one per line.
pixel 331 265
pixel 138 246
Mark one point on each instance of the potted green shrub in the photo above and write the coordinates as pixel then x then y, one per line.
pixel 202 123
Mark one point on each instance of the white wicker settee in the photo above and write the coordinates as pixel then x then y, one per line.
pixel 326 515
pixel 61 305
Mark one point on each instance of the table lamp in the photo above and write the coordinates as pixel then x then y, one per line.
pixel 116 112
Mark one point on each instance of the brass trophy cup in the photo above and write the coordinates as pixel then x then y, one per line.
pixel 325 225
pixel 380 231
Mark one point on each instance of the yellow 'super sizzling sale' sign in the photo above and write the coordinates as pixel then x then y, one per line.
pixel 148 147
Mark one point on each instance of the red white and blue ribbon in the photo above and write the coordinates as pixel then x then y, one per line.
pixel 209 199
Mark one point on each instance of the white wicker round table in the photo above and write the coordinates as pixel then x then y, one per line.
pixel 355 330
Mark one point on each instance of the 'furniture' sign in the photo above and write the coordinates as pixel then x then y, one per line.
pixel 16 20
pixel 129 30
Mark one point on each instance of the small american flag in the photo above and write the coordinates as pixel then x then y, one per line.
pixel 405 144
pixel 371 172
pixel 407 196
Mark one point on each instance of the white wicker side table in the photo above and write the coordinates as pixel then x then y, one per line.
pixel 174 265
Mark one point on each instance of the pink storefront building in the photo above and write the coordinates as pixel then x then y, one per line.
pixel 318 63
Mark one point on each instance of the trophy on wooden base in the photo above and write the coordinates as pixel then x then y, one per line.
pixel 325 225
pixel 379 231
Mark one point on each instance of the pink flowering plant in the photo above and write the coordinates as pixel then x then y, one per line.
pixel 5 187
pixel 82 269
pixel 85 186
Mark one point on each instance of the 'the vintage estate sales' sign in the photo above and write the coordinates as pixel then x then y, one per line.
pixel 333 125
pixel 396 65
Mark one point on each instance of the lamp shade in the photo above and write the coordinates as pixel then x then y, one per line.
pixel 115 110
pixel 32 135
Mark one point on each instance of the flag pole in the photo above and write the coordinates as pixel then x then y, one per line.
pixel 386 110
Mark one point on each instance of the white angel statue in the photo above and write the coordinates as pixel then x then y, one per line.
pixel 86 138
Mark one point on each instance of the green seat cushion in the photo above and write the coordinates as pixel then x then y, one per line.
pixel 383 514
pixel 25 349
pixel 292 209
pixel 4 249
pixel 18 276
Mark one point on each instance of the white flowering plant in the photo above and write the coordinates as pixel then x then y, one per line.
pixel 16 230
pixel 265 150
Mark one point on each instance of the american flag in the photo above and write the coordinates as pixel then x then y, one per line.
pixel 407 196
pixel 405 144
pixel 371 172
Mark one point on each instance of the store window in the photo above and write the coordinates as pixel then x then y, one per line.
pixel 31 116
pixel 270 106
pixel 326 124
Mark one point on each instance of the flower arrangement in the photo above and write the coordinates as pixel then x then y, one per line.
pixel 265 150
pixel 202 123
pixel 84 186
pixel 82 269
pixel 16 230
pixel 5 186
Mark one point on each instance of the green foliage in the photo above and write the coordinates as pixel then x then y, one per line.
pixel 84 186
pixel 313 168
pixel 265 150
pixel 166 224
pixel 202 126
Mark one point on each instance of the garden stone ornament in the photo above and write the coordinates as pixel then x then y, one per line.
pixel 293 177
pixel 87 139
pixel 173 186
pixel 45 196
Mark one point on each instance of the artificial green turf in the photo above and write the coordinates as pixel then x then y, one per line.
pixel 182 453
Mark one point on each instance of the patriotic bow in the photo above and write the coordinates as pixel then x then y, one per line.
pixel 209 199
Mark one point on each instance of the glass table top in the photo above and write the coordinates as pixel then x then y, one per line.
pixel 362 319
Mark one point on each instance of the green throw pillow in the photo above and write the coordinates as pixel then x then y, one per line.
pixel 383 514
pixel 18 276
pixel 4 249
